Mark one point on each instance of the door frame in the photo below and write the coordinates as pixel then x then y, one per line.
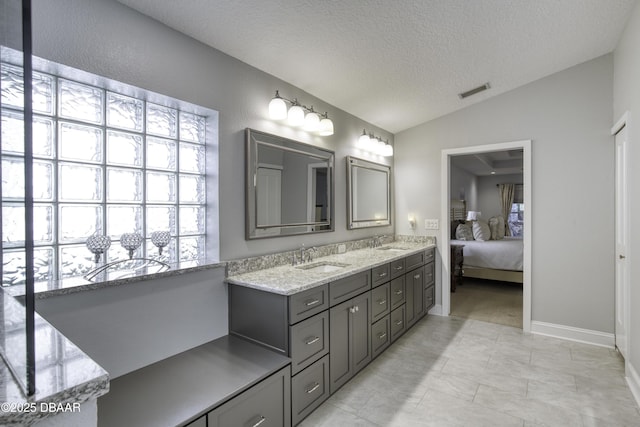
pixel 623 122
pixel 445 196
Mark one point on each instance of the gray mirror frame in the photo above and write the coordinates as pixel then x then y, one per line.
pixel 252 139
pixel 353 223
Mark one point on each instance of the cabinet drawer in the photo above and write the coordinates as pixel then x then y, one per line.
pixel 307 303
pixel 309 389
pixel 380 336
pixel 429 255
pixel 429 297
pixel 380 275
pixel 349 287
pixel 397 319
pixel 380 302
pixel 267 403
pixel 397 268
pixel 429 274
pixel 309 341
pixel 413 261
pixel 397 292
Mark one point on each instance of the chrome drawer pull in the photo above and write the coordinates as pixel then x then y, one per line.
pixel 382 336
pixel 399 267
pixel 260 421
pixel 398 292
pixel 417 276
pixel 314 388
pixel 382 302
pixel 312 302
pixel 399 322
pixel 312 341
pixel 384 273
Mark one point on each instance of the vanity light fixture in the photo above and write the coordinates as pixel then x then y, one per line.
pixel 374 144
pixel 299 115
pixel 412 222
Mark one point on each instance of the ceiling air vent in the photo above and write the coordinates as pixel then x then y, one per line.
pixel 473 91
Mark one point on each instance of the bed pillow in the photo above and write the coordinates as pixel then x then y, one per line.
pixel 496 225
pixel 463 232
pixel 481 231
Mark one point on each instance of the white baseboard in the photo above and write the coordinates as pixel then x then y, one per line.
pixel 633 380
pixel 436 310
pixel 570 333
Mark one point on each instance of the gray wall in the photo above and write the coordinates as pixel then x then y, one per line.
pixel 126 327
pixel 463 186
pixel 129 326
pixel 626 96
pixel 567 116
pixel 109 39
pixel 489 197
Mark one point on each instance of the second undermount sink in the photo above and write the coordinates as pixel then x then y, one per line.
pixel 323 266
pixel 392 248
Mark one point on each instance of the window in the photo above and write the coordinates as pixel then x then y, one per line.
pixel 516 219
pixel 106 163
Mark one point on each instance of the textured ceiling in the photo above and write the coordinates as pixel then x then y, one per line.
pixel 400 63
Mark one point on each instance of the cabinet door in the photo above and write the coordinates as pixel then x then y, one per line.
pixel 267 404
pixel 414 284
pixel 418 293
pixel 361 332
pixel 349 339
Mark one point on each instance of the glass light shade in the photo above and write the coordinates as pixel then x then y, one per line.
pixel 131 242
pixel 312 122
pixel 98 244
pixel 277 109
pixel 296 116
pixel 387 150
pixel 363 142
pixel 326 127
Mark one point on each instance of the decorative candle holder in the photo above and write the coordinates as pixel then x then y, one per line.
pixel 98 244
pixel 160 239
pixel 131 242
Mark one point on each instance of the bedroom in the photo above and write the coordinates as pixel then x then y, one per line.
pixel 487 251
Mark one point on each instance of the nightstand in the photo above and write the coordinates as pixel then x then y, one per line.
pixel 457 259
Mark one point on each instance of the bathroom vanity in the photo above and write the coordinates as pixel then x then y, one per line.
pixel 331 317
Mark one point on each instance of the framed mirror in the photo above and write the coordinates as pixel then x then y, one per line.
pixel 289 187
pixel 368 193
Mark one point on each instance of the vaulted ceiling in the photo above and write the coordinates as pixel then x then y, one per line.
pixel 399 63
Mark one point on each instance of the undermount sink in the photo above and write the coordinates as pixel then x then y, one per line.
pixel 392 248
pixel 323 267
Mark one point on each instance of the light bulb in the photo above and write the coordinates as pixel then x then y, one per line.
pixel 326 126
pixel 388 150
pixel 277 108
pixel 363 141
pixel 295 116
pixel 312 121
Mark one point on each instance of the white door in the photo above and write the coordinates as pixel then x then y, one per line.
pixel 269 200
pixel 622 281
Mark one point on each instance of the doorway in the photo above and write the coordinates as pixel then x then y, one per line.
pixel 525 146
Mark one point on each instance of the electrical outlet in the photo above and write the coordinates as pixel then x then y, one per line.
pixel 431 224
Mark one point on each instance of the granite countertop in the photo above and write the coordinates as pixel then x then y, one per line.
pixel 64 374
pixel 288 279
pixel 51 288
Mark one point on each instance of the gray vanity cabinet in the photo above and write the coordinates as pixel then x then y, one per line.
pixel 349 339
pixel 380 336
pixel 380 302
pixel 309 389
pixel 265 404
pixel 397 324
pixel 200 422
pixel 397 292
pixel 429 286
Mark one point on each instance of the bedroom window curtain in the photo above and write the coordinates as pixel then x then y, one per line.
pixel 507 192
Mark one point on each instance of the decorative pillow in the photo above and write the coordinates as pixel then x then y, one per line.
pixel 454 226
pixel 481 231
pixel 496 225
pixel 463 232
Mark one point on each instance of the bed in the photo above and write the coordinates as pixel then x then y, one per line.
pixel 491 259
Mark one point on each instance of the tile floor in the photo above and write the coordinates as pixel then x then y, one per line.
pixel 449 371
pixel 488 300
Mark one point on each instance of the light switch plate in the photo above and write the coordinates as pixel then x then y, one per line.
pixel 431 224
